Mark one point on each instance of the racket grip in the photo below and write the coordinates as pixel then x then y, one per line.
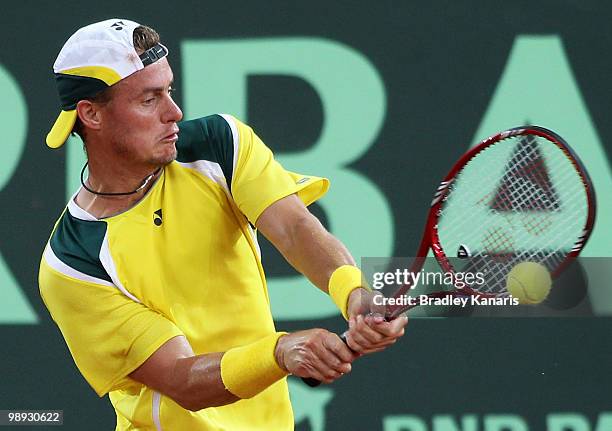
pixel 311 381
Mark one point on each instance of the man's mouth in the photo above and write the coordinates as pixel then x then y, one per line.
pixel 173 136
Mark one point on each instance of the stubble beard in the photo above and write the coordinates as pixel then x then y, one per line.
pixel 163 161
pixel 156 161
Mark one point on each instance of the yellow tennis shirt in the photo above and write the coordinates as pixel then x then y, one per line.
pixel 183 261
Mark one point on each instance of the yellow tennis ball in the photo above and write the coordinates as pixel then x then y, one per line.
pixel 529 282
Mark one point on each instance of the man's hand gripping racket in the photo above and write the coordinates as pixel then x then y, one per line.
pixel 521 195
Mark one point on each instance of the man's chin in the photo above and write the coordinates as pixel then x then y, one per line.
pixel 167 158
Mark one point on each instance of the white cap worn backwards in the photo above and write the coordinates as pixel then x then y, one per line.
pixel 94 58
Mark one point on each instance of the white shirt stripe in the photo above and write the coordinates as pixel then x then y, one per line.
pixel 253 233
pixel 55 263
pixel 105 254
pixel 209 169
pixel 156 410
pixel 109 266
pixel 78 212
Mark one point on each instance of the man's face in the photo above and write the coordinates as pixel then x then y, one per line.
pixel 139 122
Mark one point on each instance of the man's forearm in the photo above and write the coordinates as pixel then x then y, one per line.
pixel 197 383
pixel 218 379
pixel 313 251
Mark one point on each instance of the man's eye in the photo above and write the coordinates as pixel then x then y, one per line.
pixel 171 90
pixel 149 101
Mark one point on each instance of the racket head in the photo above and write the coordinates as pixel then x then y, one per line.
pixel 520 195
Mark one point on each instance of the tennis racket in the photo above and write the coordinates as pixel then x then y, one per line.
pixel 520 195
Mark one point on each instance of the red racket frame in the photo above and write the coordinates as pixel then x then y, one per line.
pixel 431 239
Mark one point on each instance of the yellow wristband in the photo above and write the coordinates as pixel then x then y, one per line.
pixel 342 282
pixel 248 370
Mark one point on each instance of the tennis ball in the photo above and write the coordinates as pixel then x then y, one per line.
pixel 529 282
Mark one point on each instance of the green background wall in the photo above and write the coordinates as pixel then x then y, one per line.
pixel 381 97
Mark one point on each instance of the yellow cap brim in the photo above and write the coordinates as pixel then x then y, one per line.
pixel 61 129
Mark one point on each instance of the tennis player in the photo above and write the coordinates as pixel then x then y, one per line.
pixel 153 272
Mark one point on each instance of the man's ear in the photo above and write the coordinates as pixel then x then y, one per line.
pixel 89 114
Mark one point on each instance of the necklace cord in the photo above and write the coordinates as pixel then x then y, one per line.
pixel 142 186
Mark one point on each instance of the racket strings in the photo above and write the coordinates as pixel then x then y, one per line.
pixel 526 184
pixel 534 209
pixel 499 261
